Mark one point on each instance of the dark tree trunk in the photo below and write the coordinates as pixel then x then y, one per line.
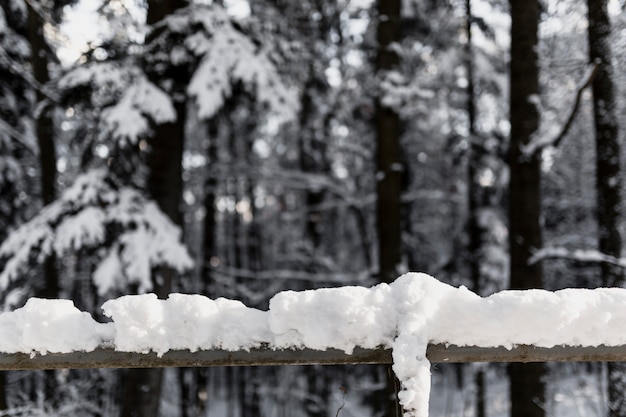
pixel 608 178
pixel 159 9
pixel 474 192
pixel 143 386
pixel 476 199
pixel 142 393
pixel 210 189
pixel 44 130
pixel 389 165
pixel 3 393
pixel 164 185
pixel 389 175
pixel 313 157
pixel 526 380
pixel 165 181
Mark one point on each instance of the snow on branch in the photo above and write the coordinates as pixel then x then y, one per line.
pixel 142 103
pixel 416 317
pixel 540 142
pixel 396 92
pixel 130 101
pixel 129 234
pixel 227 57
pixel 579 255
pixel 21 138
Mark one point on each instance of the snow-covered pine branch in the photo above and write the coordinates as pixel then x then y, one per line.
pixel 226 57
pixel 130 102
pixel 578 255
pixel 129 234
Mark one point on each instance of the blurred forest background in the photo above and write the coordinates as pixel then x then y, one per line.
pixel 240 148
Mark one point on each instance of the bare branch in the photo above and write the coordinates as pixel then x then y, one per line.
pixel 538 143
pixel 589 256
pixel 25 74
pixel 285 274
pixel 18 137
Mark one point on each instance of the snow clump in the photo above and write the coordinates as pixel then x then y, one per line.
pixel 43 326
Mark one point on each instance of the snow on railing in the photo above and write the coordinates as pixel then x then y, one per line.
pixel 410 323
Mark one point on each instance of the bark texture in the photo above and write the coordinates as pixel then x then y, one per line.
pixel 608 178
pixel 527 388
pixel 388 178
pixel 389 167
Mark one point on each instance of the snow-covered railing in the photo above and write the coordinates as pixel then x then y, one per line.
pixel 412 322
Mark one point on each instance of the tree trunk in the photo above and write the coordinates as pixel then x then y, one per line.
pixel 142 393
pixel 3 393
pixel 608 178
pixel 389 175
pixel 389 166
pixel 475 197
pixel 526 380
pixel 312 158
pixel 164 185
pixel 44 130
pixel 165 181
pixel 143 387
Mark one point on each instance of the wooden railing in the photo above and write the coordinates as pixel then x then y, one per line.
pixel 109 358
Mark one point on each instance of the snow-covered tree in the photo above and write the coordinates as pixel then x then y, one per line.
pixel 126 234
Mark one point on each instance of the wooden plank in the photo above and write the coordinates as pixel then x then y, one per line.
pixel 109 358
pixel 525 353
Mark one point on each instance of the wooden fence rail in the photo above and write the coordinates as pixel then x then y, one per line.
pixel 109 358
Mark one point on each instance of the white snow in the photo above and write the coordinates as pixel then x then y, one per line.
pixel 358 317
pixel 142 237
pixel 127 118
pixel 227 58
pixel 405 315
pixel 129 100
pixel 50 326
pixel 144 323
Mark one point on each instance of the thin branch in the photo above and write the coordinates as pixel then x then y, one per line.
pixel 588 256
pixel 18 137
pixel 539 144
pixel 344 391
pixel 26 76
pixel 285 274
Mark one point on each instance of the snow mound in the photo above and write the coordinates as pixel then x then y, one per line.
pixel 56 326
pixel 144 323
pixel 340 318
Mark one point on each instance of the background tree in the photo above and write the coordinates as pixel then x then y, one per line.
pixel 608 177
pixel 388 129
pixel 14 143
pixel 389 167
pixel 526 380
